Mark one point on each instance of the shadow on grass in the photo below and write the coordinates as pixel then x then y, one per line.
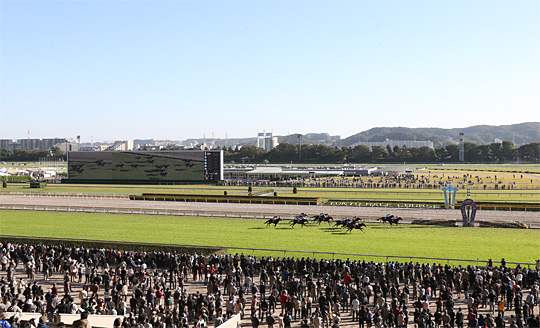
pixel 432 226
pixel 347 233
pixel 330 229
pixel 270 228
pixel 339 231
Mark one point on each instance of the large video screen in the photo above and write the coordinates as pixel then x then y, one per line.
pixel 188 165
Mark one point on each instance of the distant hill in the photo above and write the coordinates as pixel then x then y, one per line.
pixel 482 134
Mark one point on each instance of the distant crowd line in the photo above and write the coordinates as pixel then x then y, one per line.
pixel 149 290
pixel 405 181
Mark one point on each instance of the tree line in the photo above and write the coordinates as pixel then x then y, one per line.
pixel 20 155
pixel 317 153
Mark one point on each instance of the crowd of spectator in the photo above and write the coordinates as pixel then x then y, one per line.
pixel 150 289
pixel 429 180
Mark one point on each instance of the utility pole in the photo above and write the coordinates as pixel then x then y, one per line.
pixel 300 148
pixel 461 147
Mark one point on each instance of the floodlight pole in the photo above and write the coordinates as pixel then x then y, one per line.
pixel 461 147
pixel 300 144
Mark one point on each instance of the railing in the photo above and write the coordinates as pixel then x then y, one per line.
pixel 115 195
pixel 65 194
pixel 234 322
pixel 200 213
pixel 364 193
pixel 437 193
pixel 379 185
pixel 403 203
pixel 239 189
pixel 280 251
pixel 117 210
pixel 97 320
pixel 387 257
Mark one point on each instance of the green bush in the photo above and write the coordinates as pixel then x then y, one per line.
pixel 4 183
pixel 37 184
pixel 225 193
pixel 228 199
pixel 18 178
pixel 294 190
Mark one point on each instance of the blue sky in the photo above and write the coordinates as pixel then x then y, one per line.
pixel 178 69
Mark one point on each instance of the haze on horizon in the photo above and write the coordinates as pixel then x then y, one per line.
pixel 185 69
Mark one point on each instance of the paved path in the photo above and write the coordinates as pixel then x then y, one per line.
pixel 451 214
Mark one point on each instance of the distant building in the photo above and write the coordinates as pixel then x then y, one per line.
pixel 89 148
pixel 394 170
pixel 42 144
pixel 393 143
pixel 142 143
pixel 121 145
pixel 152 147
pixel 270 173
pixel 68 146
pixel 266 140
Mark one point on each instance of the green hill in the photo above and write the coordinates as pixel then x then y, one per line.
pixel 482 134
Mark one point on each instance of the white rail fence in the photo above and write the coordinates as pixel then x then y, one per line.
pixel 201 213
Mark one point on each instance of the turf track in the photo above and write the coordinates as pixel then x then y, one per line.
pixel 405 240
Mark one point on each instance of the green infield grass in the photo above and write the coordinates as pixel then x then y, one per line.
pixel 514 245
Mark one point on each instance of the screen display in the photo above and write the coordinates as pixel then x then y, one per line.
pixel 188 165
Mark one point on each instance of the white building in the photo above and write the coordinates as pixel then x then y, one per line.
pixel 32 144
pixel 123 145
pixel 266 140
pixel 68 146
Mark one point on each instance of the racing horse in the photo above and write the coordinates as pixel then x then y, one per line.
pixel 299 220
pixel 355 225
pixel 342 223
pixel 275 220
pixel 394 220
pixel 345 221
pixel 386 218
pixel 322 218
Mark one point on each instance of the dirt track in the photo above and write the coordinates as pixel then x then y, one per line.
pixel 271 209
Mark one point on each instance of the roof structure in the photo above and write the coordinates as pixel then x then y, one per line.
pixel 404 169
pixel 276 170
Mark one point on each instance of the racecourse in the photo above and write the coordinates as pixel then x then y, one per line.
pixel 406 240
pixel 516 245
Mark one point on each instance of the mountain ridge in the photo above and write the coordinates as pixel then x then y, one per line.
pixel 521 133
